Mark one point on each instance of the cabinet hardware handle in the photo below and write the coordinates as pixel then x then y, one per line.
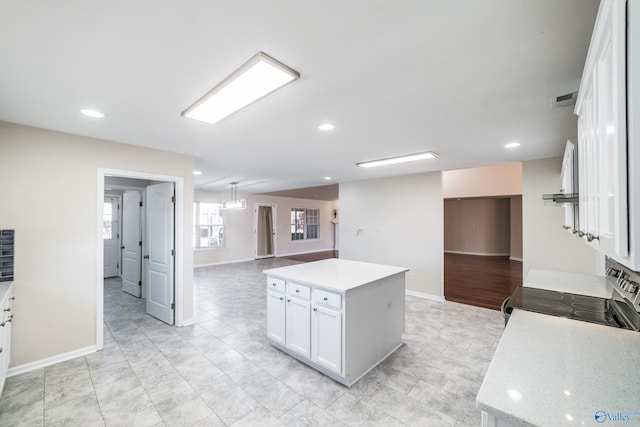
pixel 281 298
pixel 566 227
pixel 315 308
pixel 0 350
pixel 273 284
pixel 325 298
pixel 146 257
pixel 7 309
pixel 591 237
pixel 12 298
pixel 2 324
pixel 580 233
pixel 289 300
pixel 297 290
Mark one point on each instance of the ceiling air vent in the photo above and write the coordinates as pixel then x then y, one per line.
pixel 562 101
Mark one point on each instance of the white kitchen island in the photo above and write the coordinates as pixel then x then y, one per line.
pixel 338 316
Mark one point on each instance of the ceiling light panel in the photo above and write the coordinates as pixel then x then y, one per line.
pixel 92 113
pixel 257 78
pixel 399 159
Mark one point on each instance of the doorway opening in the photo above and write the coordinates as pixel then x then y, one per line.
pixel 152 229
pixel 483 249
pixel 264 231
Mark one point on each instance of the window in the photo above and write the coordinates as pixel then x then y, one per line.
pixel 107 221
pixel 208 225
pixel 304 223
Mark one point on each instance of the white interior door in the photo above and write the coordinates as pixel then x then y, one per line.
pixel 110 235
pixel 132 243
pixel 159 208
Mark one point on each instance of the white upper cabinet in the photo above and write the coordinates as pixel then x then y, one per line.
pixel 602 135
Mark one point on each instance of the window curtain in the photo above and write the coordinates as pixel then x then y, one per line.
pixel 265 231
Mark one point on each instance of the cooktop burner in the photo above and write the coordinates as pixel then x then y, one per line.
pixel 578 307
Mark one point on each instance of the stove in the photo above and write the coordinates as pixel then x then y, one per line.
pixel 619 311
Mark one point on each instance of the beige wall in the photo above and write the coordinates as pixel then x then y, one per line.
pixel 239 226
pixel 477 226
pixel 498 180
pixel 396 221
pixel 49 192
pixel 545 244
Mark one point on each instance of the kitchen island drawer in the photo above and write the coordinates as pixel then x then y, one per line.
pixel 276 284
pixel 331 299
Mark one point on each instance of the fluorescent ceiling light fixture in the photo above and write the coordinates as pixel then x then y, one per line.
pixel 197 172
pixel 234 203
pixel 326 126
pixel 327 178
pixel 512 145
pixel 257 78
pixel 399 159
pixel 92 113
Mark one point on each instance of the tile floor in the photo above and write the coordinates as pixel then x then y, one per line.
pixel 221 371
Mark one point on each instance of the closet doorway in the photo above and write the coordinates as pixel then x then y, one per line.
pixel 264 231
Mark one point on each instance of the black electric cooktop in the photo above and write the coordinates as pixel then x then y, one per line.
pixel 571 306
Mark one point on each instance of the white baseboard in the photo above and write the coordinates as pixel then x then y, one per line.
pixel 211 264
pixel 476 253
pixel 425 296
pixel 188 322
pixel 32 366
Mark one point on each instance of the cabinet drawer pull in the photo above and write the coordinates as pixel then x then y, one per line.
pixel 281 298
pixel 325 298
pixel 7 309
pixel 297 290
pixel 566 227
pixel 289 300
pixel 273 284
pixel 2 324
pixel 0 350
pixel 591 237
pixel 12 298
pixel 315 308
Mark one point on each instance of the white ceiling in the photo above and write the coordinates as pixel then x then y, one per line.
pixel 461 78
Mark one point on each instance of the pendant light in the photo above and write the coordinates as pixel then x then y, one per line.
pixel 234 203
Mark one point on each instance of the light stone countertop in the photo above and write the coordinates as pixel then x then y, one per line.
pixel 335 274
pixel 552 371
pixel 573 283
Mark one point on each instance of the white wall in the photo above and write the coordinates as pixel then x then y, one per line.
pixel 239 226
pixel 396 221
pixel 49 195
pixel 546 245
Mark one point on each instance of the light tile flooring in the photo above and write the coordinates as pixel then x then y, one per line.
pixel 221 371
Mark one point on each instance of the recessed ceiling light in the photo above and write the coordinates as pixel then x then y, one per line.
pixel 92 113
pixel 255 79
pixel 326 126
pixel 512 145
pixel 398 159
pixel 197 172
pixel 327 178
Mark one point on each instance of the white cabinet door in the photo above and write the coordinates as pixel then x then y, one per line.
pixel 276 317
pixel 602 149
pixel 326 333
pixel 298 330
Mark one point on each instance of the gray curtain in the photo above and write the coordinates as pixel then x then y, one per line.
pixel 265 231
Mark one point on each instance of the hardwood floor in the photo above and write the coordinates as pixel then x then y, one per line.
pixel 314 256
pixel 483 281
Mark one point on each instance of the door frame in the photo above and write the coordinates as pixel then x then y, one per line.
pixel 119 235
pixel 179 243
pixel 274 212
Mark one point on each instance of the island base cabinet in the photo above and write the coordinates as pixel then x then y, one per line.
pixel 298 325
pixel 276 316
pixel 489 420
pixel 326 332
